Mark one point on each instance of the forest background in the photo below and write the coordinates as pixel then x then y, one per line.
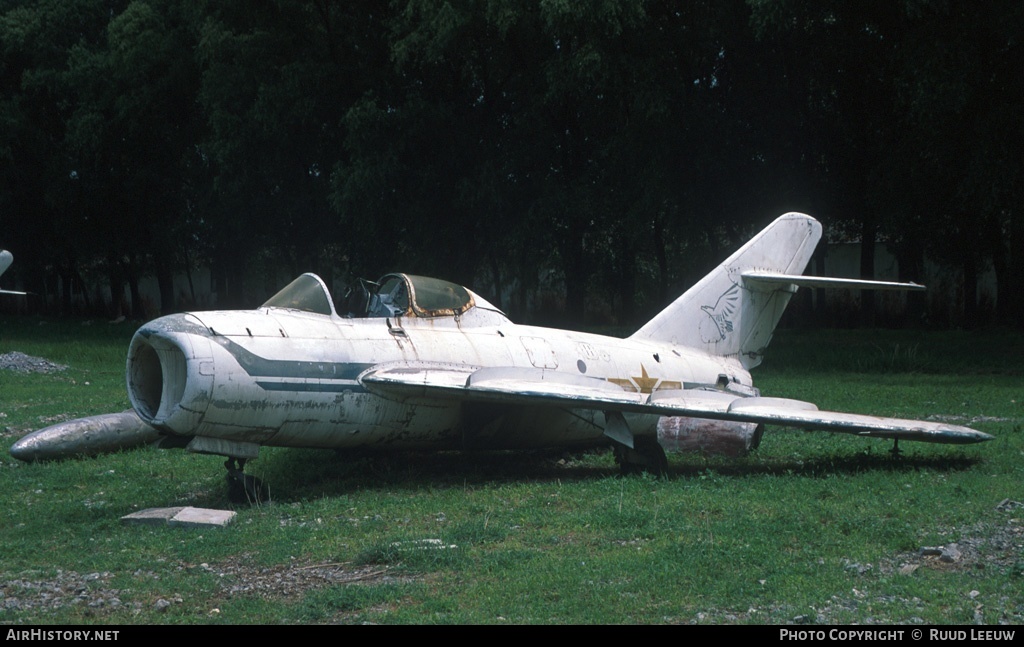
pixel 613 148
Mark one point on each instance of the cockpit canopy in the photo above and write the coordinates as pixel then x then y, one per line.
pixel 417 296
pixel 307 293
pixel 395 295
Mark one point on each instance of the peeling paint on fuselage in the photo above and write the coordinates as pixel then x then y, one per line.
pixel 290 378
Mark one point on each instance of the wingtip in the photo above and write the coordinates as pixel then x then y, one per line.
pixel 964 435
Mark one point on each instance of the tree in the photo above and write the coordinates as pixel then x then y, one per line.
pixel 960 140
pixel 39 199
pixel 131 136
pixel 276 80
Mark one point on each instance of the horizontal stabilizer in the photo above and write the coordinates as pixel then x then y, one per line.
pixel 755 279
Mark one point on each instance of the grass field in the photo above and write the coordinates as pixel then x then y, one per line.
pixel 811 528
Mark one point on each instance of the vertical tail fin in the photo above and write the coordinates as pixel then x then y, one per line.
pixel 724 315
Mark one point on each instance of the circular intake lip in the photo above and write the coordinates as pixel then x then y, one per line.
pixel 157 376
pixel 164 384
pixel 145 378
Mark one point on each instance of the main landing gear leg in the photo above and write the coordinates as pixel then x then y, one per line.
pixel 896 451
pixel 646 455
pixel 242 487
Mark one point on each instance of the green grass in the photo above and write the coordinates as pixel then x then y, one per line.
pixel 814 526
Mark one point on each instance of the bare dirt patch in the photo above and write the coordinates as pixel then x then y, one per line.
pixel 291 580
pixel 29 595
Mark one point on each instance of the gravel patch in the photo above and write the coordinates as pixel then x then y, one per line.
pixel 26 593
pixel 22 363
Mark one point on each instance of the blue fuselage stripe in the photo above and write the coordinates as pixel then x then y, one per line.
pixel 312 387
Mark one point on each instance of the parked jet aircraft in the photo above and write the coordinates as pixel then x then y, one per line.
pixel 415 362
pixel 5 261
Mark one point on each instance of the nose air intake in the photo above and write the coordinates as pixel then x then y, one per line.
pixel 157 374
pixel 166 384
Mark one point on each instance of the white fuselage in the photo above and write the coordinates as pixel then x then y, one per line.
pixel 292 378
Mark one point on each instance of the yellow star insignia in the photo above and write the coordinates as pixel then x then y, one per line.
pixel 644 383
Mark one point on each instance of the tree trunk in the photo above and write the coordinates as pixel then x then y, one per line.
pixel 970 270
pixel 165 281
pixel 662 258
pixel 574 268
pixel 116 277
pixel 910 258
pixel 868 237
pixel 1013 294
pixel 626 280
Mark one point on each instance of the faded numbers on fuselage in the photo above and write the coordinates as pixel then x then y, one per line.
pixel 591 352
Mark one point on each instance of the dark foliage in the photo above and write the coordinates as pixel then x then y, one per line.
pixel 583 159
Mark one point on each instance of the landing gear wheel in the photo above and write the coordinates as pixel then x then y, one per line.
pixel 647 455
pixel 242 487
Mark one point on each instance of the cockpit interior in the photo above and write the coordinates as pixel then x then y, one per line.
pixel 394 295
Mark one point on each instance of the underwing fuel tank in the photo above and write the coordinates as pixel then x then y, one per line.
pixel 90 436
pixel 697 435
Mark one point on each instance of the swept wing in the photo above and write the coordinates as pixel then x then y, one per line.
pixel 526 386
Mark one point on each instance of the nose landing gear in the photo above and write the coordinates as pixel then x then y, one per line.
pixel 242 487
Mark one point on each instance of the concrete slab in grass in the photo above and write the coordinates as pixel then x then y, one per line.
pixel 188 517
pixel 203 518
pixel 152 516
